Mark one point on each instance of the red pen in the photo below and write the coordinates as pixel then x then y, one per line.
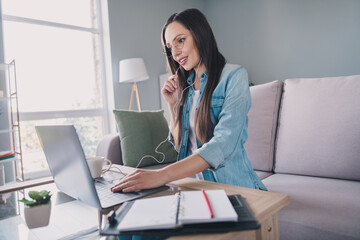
pixel 208 204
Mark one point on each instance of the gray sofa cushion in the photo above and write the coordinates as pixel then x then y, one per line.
pixel 319 128
pixel 109 147
pixel 263 116
pixel 320 208
pixel 262 175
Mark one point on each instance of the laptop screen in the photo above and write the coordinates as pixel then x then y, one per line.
pixel 67 162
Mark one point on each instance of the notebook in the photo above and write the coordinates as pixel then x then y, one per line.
pixel 187 207
pixel 68 166
pixel 245 221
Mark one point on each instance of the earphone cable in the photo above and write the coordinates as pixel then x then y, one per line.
pixel 175 112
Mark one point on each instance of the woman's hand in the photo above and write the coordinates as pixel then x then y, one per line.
pixel 141 179
pixel 170 90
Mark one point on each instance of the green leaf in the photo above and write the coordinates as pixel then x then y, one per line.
pixel 41 197
pixel 28 203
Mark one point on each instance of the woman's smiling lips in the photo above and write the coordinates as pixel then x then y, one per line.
pixel 182 61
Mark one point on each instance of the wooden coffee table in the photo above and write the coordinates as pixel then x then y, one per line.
pixel 264 204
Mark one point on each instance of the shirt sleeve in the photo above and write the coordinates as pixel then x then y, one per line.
pixel 232 120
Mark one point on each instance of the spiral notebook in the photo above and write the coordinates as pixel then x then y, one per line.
pixel 188 207
pixel 155 222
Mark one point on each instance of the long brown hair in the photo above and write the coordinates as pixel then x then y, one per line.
pixel 214 62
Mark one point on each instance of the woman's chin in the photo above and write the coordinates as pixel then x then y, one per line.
pixel 186 68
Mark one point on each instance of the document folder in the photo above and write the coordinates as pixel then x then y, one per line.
pixel 245 221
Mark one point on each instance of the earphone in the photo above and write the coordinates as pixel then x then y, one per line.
pixel 174 108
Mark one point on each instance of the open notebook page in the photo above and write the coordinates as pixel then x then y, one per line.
pixel 151 213
pixel 195 210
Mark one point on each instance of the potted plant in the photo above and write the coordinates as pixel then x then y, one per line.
pixel 37 211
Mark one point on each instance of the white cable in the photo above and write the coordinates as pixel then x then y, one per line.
pixel 177 103
pixel 174 108
pixel 156 150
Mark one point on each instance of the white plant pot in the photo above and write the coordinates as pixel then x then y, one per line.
pixel 37 216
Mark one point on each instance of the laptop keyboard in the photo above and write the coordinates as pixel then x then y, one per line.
pixel 109 198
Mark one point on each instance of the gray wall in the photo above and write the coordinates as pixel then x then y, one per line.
pixel 279 39
pixel 135 31
pixel 273 39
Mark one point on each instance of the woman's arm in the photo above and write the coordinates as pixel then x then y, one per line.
pixel 144 179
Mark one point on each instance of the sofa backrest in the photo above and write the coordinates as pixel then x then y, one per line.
pixel 319 128
pixel 263 116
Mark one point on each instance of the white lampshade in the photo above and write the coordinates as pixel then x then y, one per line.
pixel 132 70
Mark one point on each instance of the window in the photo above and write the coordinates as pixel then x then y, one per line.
pixel 58 49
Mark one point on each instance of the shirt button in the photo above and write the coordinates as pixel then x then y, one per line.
pixel 182 146
pixel 187 111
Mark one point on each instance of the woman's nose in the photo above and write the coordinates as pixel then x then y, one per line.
pixel 176 52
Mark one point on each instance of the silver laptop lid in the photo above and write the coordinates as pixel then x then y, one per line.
pixel 67 163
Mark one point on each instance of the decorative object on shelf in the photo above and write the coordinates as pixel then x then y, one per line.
pixel 6 154
pixel 9 112
pixel 133 70
pixel 37 211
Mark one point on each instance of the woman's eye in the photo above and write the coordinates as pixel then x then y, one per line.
pixel 181 40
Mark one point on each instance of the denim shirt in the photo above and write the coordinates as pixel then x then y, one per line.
pixel 225 151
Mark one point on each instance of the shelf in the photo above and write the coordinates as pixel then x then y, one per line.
pixel 4 99
pixel 8 98
pixel 11 112
pixel 4 66
pixel 9 160
pixel 8 131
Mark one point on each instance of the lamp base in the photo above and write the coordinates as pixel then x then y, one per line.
pixel 134 90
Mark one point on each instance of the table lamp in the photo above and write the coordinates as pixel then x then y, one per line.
pixel 133 70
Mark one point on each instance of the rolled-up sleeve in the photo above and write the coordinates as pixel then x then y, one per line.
pixel 231 122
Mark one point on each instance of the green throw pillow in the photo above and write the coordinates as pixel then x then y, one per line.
pixel 140 134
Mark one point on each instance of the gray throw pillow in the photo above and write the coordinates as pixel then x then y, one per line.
pixel 263 117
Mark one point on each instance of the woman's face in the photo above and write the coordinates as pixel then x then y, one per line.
pixel 182 45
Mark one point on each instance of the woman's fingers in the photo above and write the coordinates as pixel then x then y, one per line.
pixel 140 179
pixel 168 88
pixel 126 181
pixel 125 186
pixel 171 83
pixel 132 188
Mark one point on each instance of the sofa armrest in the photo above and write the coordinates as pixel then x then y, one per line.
pixel 109 147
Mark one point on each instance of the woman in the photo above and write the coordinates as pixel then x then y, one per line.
pixel 208 101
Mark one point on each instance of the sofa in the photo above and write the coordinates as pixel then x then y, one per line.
pixel 303 140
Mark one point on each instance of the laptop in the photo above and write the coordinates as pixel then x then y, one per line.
pixel 68 166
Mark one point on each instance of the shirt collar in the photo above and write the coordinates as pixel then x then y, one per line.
pixel 203 77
